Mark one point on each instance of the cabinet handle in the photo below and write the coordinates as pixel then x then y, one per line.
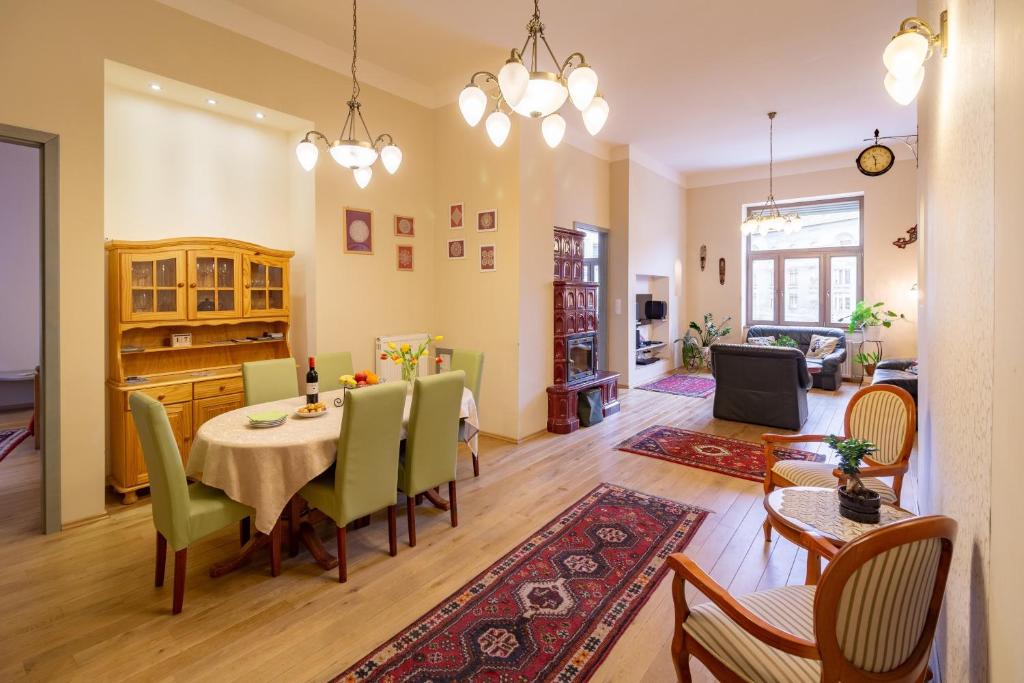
pixel 181 284
pixel 222 387
pixel 161 397
pixel 192 285
pixel 246 285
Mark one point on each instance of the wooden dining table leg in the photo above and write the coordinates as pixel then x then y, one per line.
pixel 244 531
pixel 435 499
pixel 307 534
pixel 275 549
pixel 161 559
pixel 294 512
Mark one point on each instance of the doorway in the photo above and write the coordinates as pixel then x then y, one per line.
pixel 29 356
pixel 595 269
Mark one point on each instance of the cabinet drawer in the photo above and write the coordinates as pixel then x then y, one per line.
pixel 171 393
pixel 217 387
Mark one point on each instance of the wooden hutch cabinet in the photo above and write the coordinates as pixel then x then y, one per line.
pixel 231 296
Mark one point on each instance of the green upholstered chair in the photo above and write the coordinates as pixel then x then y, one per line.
pixel 471 363
pixel 432 444
pixel 362 480
pixel 331 366
pixel 269 380
pixel 182 513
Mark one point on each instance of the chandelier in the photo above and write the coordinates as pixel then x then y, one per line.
pixel 535 93
pixel 768 218
pixel 348 150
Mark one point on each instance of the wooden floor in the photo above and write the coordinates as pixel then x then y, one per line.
pixel 81 604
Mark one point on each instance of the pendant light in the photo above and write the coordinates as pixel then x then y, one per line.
pixel 535 93
pixel 768 218
pixel 348 149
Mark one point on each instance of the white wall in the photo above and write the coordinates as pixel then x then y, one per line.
pixel 19 258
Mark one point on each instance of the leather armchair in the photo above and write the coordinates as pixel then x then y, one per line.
pixel 895 372
pixel 764 385
pixel 831 375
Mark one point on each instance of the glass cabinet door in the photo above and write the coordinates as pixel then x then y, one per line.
pixel 265 286
pixel 213 288
pixel 155 286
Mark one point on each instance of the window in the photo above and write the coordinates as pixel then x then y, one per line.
pixel 811 277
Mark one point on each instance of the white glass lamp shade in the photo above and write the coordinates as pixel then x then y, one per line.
pixel 391 157
pixel 553 129
pixel 904 90
pixel 353 154
pixel 472 103
pixel 582 86
pixel 498 125
pixel 363 176
pixel 545 94
pixel 307 153
pixel 905 54
pixel 595 115
pixel 513 79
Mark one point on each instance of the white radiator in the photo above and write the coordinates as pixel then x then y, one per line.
pixel 386 369
pixel 850 369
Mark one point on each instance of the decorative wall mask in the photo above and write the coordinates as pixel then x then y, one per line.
pixel 721 271
pixel 911 237
pixel 703 256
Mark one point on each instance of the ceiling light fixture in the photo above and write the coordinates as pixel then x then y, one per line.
pixel 348 150
pixel 155 87
pixel 906 53
pixel 210 101
pixel 260 115
pixel 534 93
pixel 768 218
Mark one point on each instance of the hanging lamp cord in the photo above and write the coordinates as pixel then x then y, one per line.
pixel 355 51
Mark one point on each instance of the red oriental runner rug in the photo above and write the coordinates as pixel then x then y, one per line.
pixel 551 609
pixel 683 385
pixel 741 459
pixel 10 438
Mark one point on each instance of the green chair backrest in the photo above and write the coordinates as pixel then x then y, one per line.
pixel 471 363
pixel 331 366
pixel 366 473
pixel 432 444
pixel 269 380
pixel 167 485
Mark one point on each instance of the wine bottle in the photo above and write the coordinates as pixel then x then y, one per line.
pixel 312 383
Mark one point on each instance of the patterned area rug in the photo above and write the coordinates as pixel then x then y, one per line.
pixel 552 608
pixel 10 438
pixel 741 459
pixel 683 385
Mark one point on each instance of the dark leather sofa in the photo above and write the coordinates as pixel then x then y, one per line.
pixel 831 375
pixel 894 372
pixel 765 385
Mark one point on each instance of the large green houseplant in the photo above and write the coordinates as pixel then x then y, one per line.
pixel 866 316
pixel 700 337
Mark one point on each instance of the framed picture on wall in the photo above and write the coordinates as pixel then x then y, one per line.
pixel 487 221
pixel 446 360
pixel 488 264
pixel 456 249
pixel 403 256
pixel 456 216
pixel 405 226
pixel 358 231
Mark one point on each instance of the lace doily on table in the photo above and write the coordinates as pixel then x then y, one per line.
pixel 820 509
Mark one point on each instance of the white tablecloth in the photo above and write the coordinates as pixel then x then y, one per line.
pixel 264 468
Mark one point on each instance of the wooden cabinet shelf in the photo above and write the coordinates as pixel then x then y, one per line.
pixel 215 289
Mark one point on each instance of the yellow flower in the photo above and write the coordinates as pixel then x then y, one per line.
pixel 438 338
pixel 413 361
pixel 424 352
pixel 398 361
pixel 391 345
pixel 405 348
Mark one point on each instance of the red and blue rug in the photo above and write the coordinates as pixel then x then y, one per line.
pixel 736 458
pixel 683 385
pixel 551 609
pixel 10 438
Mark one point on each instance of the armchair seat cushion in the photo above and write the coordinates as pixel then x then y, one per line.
pixel 210 510
pixel 790 609
pixel 804 473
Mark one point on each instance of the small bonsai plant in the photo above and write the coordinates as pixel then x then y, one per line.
pixel 785 340
pixel 869 359
pixel 856 501
pixel 711 331
pixel 872 315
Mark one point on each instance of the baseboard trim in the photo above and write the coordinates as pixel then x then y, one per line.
pixel 511 440
pixel 85 521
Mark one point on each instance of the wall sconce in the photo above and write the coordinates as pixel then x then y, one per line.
pixel 906 53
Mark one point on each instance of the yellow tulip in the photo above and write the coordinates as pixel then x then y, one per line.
pixel 391 345
pixel 438 338
pixel 405 348
pixel 413 361
pixel 398 361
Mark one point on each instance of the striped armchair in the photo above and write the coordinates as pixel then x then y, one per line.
pixel 882 414
pixel 872 616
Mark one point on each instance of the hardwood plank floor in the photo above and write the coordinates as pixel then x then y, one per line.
pixel 81 604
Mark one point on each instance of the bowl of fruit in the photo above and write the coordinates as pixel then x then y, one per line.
pixel 359 380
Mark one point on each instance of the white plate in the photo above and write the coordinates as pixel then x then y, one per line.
pixel 265 425
pixel 305 415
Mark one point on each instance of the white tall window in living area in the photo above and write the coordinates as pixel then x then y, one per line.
pixel 811 277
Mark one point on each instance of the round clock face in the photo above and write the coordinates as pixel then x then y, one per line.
pixel 875 160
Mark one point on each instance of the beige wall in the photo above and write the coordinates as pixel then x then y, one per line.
pixel 714 215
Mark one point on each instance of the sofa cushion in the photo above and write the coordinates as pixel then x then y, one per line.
pixel 821 346
pixel 761 341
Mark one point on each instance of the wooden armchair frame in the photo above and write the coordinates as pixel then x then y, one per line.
pixel 826 647
pixel 896 470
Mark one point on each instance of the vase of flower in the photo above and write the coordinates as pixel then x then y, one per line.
pixel 407 358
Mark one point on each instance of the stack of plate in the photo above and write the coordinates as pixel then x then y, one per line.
pixel 270 418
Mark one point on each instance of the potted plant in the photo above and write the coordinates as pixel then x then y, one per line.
pixel 786 341
pixel 709 333
pixel 871 318
pixel 408 358
pixel 869 360
pixel 856 502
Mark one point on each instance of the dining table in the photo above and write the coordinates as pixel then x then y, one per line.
pixel 264 468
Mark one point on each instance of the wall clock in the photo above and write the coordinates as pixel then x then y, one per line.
pixel 875 159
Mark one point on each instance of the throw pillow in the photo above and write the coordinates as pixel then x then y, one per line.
pixel 821 346
pixel 761 341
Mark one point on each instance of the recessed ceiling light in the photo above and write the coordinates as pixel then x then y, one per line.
pixel 260 115
pixel 155 87
pixel 210 100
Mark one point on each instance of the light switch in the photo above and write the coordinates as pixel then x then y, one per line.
pixel 618 307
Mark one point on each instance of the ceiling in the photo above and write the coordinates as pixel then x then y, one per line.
pixel 689 81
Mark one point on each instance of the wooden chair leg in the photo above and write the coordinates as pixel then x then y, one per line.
pixel 342 533
pixel 180 563
pixel 244 531
pixel 410 514
pixel 767 531
pixel 275 549
pixel 161 559
pixel 476 465
pixel 294 511
pixel 453 503
pixel 393 529
pixel 419 498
